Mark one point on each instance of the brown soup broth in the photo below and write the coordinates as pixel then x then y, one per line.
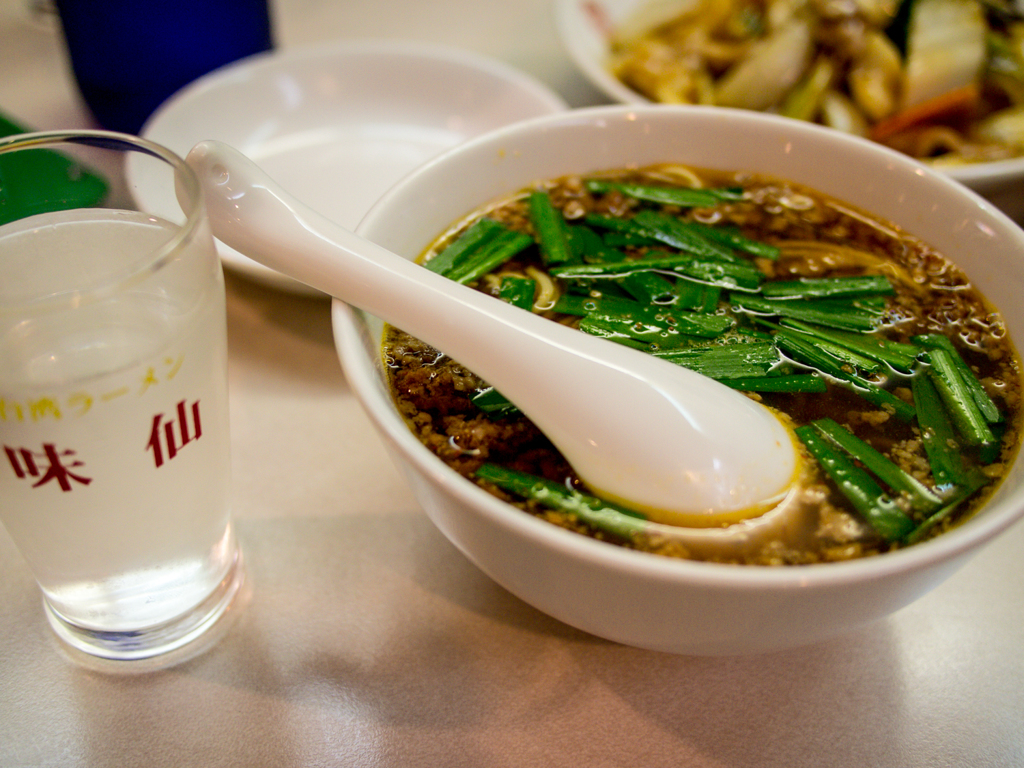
pixel 818 237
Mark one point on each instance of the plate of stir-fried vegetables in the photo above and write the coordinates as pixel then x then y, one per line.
pixel 940 80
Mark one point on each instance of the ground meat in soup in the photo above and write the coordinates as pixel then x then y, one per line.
pixel 816 237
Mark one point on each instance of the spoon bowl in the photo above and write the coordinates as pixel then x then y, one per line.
pixel 639 431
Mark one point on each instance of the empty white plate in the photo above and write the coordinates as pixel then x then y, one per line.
pixel 336 125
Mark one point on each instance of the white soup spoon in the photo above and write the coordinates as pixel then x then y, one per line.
pixel 638 431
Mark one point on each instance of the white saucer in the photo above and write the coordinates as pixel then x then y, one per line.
pixel 336 125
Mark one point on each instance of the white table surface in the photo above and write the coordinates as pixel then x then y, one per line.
pixel 365 639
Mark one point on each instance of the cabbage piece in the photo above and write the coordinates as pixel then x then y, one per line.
pixel 1006 61
pixel 946 48
pixel 774 65
pixel 649 16
pixel 878 13
pixel 779 13
pixel 875 77
pixel 838 111
pixel 1004 127
pixel 804 101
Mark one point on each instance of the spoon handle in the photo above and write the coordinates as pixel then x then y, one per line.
pixel 250 213
pixel 253 215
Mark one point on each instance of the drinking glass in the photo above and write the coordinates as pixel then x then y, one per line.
pixel 114 444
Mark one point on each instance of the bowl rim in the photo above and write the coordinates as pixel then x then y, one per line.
pixel 362 372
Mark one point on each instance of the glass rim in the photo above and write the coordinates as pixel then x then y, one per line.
pixel 157 258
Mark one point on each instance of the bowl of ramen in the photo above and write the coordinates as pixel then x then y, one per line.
pixel 870 302
pixel 939 80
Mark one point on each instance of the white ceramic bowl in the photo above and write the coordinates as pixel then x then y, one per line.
pixel 583 27
pixel 643 599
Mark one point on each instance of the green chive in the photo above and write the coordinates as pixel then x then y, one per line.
pixel 686 197
pixel 833 315
pixel 807 353
pixel 493 403
pixel 616 332
pixel 489 256
pixel 677 233
pixel 829 287
pixel 985 404
pixel 841 352
pixel 647 322
pixel 650 288
pixel 900 356
pixel 859 488
pixel 726 361
pixel 960 404
pixel 941 445
pixel 618 225
pixel 724 274
pixel 961 494
pixel 799 382
pixel 602 515
pixel 733 238
pixel 517 291
pixel 475 237
pixel 574 304
pixel 921 498
pixel 589 247
pixel 700 297
pixel 551 229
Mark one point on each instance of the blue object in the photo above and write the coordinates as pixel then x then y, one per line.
pixel 129 56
